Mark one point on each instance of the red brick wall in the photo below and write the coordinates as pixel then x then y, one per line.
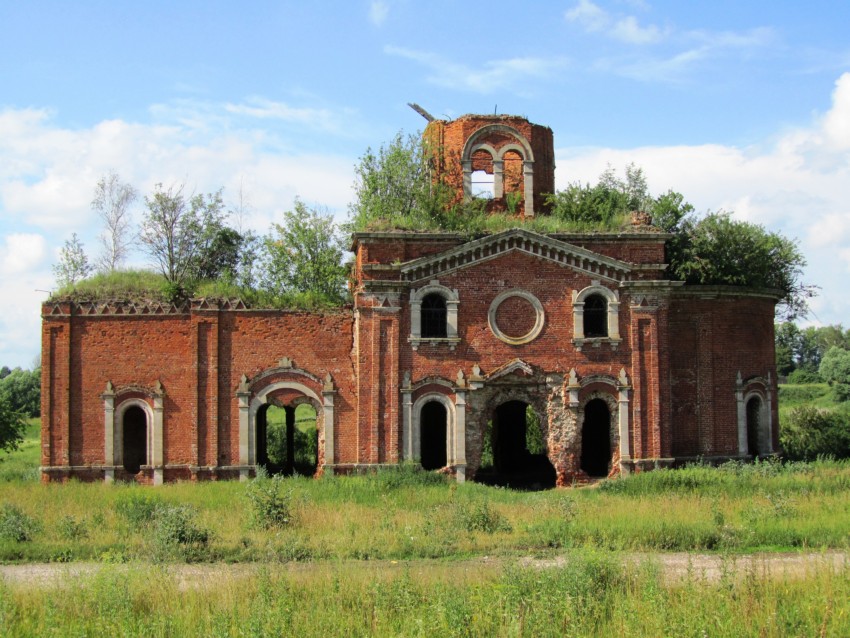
pixel 682 349
pixel 450 137
pixel 713 339
pixel 198 358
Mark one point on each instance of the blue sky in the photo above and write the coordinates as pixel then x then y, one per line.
pixel 742 106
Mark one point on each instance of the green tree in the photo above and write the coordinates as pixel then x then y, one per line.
pixel 304 255
pixel 585 205
pixel 397 183
pixel 787 343
pixel 112 201
pixel 178 233
pixel 835 370
pixel 717 249
pixel 22 389
pixel 73 263
pixel 12 426
pixel 221 257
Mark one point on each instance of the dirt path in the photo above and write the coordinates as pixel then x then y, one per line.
pixel 674 567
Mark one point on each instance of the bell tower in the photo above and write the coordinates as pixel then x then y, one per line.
pixel 502 158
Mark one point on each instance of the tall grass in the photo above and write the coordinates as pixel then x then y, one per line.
pixel 22 464
pixel 406 513
pixel 592 594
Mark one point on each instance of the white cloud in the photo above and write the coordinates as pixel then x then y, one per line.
pixel 667 53
pixel 589 15
pixel 378 12
pixel 493 76
pixel 22 252
pixel 594 19
pixel 48 173
pixel 796 185
pixel 628 30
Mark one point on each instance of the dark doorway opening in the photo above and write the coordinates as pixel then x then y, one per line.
pixel 432 435
pixel 288 439
pixel 596 439
pixel 514 450
pixel 135 444
pixel 754 426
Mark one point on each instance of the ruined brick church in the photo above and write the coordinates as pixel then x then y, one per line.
pixel 452 350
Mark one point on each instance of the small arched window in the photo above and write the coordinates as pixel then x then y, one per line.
pixel 595 316
pixel 433 317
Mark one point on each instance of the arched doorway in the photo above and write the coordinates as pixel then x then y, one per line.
pixel 288 439
pixel 596 438
pixel 432 433
pixel 135 439
pixel 754 420
pixel 515 452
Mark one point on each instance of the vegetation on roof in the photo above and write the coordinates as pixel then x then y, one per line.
pixel 299 263
pixel 147 286
pixel 395 190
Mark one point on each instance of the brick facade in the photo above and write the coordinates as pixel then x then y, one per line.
pixel 677 372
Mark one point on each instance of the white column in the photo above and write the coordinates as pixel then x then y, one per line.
pixel 460 436
pixel 157 456
pixel 613 320
pixel 406 424
pixel 743 444
pixel 578 317
pixel 498 178
pixel 109 435
pixel 244 429
pixel 328 407
pixel 623 422
pixel 528 179
pixel 467 179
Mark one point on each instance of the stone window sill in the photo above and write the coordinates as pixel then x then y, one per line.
pixel 436 341
pixel 595 342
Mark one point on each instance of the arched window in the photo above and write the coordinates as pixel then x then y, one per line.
pixel 433 317
pixel 595 316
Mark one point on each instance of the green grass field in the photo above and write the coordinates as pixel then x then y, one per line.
pixel 399 553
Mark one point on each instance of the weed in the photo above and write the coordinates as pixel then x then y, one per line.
pixel 177 534
pixel 137 507
pixel 17 526
pixel 271 504
pixel 478 516
pixel 71 529
pixel 406 475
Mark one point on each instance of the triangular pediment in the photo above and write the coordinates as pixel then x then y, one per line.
pixel 516 367
pixel 521 240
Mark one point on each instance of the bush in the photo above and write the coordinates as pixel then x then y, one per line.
pixel 17 526
pixel 271 505
pixel 177 534
pixel 478 517
pixel 71 529
pixel 800 377
pixel 811 432
pixel 137 508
